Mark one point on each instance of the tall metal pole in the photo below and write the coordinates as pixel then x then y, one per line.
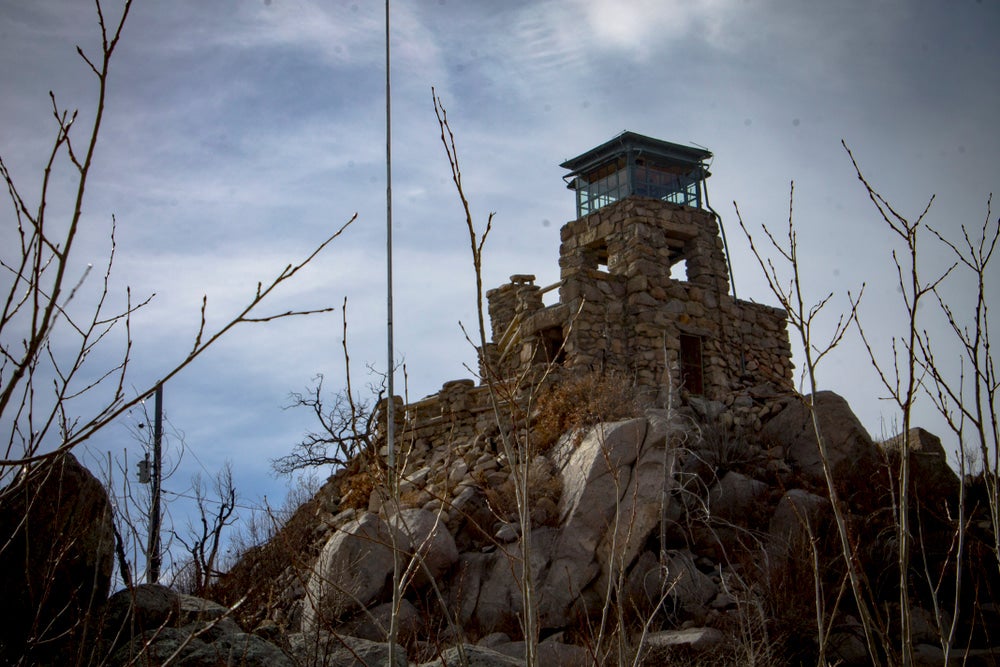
pixel 390 427
pixel 153 545
pixel 390 413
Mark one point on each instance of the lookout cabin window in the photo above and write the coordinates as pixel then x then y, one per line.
pixel 692 377
pixel 602 186
pixel 632 164
pixel 665 183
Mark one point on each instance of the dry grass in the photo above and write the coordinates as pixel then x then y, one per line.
pixel 581 401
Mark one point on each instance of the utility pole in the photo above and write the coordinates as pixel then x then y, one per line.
pixel 153 545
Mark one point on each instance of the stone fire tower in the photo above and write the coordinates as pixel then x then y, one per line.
pixel 644 284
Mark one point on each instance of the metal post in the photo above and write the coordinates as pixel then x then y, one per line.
pixel 390 430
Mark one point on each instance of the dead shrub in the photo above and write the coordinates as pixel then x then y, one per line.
pixel 357 489
pixel 544 491
pixel 581 401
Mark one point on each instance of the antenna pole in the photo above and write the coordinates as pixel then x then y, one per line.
pixel 390 427
pixel 390 412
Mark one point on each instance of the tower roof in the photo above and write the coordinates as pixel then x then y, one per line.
pixel 634 142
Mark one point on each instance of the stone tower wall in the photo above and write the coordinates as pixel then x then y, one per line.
pixel 624 305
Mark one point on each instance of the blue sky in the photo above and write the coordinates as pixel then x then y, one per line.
pixel 238 135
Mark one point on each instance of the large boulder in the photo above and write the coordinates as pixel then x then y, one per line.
pixel 187 646
pixel 323 649
pixel 474 656
pixel 57 546
pixel 735 496
pixel 550 653
pixel 799 516
pixel 931 478
pixel 696 638
pixel 852 457
pixel 373 624
pixel 428 539
pixel 132 611
pixel 499 600
pixel 613 481
pixel 154 625
pixel 676 583
pixel 351 572
pixel 355 566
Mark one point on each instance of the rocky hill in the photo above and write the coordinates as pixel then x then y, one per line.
pixel 665 534
pixel 668 537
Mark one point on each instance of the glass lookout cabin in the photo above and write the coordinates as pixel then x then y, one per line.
pixel 633 164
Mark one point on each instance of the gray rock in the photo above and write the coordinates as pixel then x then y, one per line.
pixel 508 532
pixel 465 584
pixel 152 623
pixel 350 572
pixel 214 620
pixel 494 639
pixel 474 656
pixel 429 539
pixel 689 645
pixel 798 516
pixel 677 584
pixel 847 645
pixel 612 482
pixel 235 650
pixel 852 456
pixel 373 624
pixel 550 653
pixel 699 639
pixel 131 611
pixel 193 609
pixel 688 587
pixel 644 585
pixel 156 647
pixel 931 478
pixel 732 496
pixel 499 601
pixel 929 655
pixel 323 649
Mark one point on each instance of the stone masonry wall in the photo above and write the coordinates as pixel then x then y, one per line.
pixel 623 306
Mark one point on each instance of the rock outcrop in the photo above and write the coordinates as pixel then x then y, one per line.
pixel 671 516
pixel 852 457
pixel 153 625
pixel 934 480
pixel 56 553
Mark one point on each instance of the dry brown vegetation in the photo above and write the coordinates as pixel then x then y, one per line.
pixel 579 401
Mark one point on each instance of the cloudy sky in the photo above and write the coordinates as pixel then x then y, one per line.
pixel 238 135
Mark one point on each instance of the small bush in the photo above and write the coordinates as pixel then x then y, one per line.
pixel 544 491
pixel 581 401
pixel 357 489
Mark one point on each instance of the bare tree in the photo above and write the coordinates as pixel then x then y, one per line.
pixel 54 394
pixel 346 427
pixel 967 402
pixel 900 377
pixel 45 346
pixel 203 538
pixel 803 318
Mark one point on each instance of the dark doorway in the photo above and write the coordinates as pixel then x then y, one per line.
pixel 692 377
pixel 550 346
